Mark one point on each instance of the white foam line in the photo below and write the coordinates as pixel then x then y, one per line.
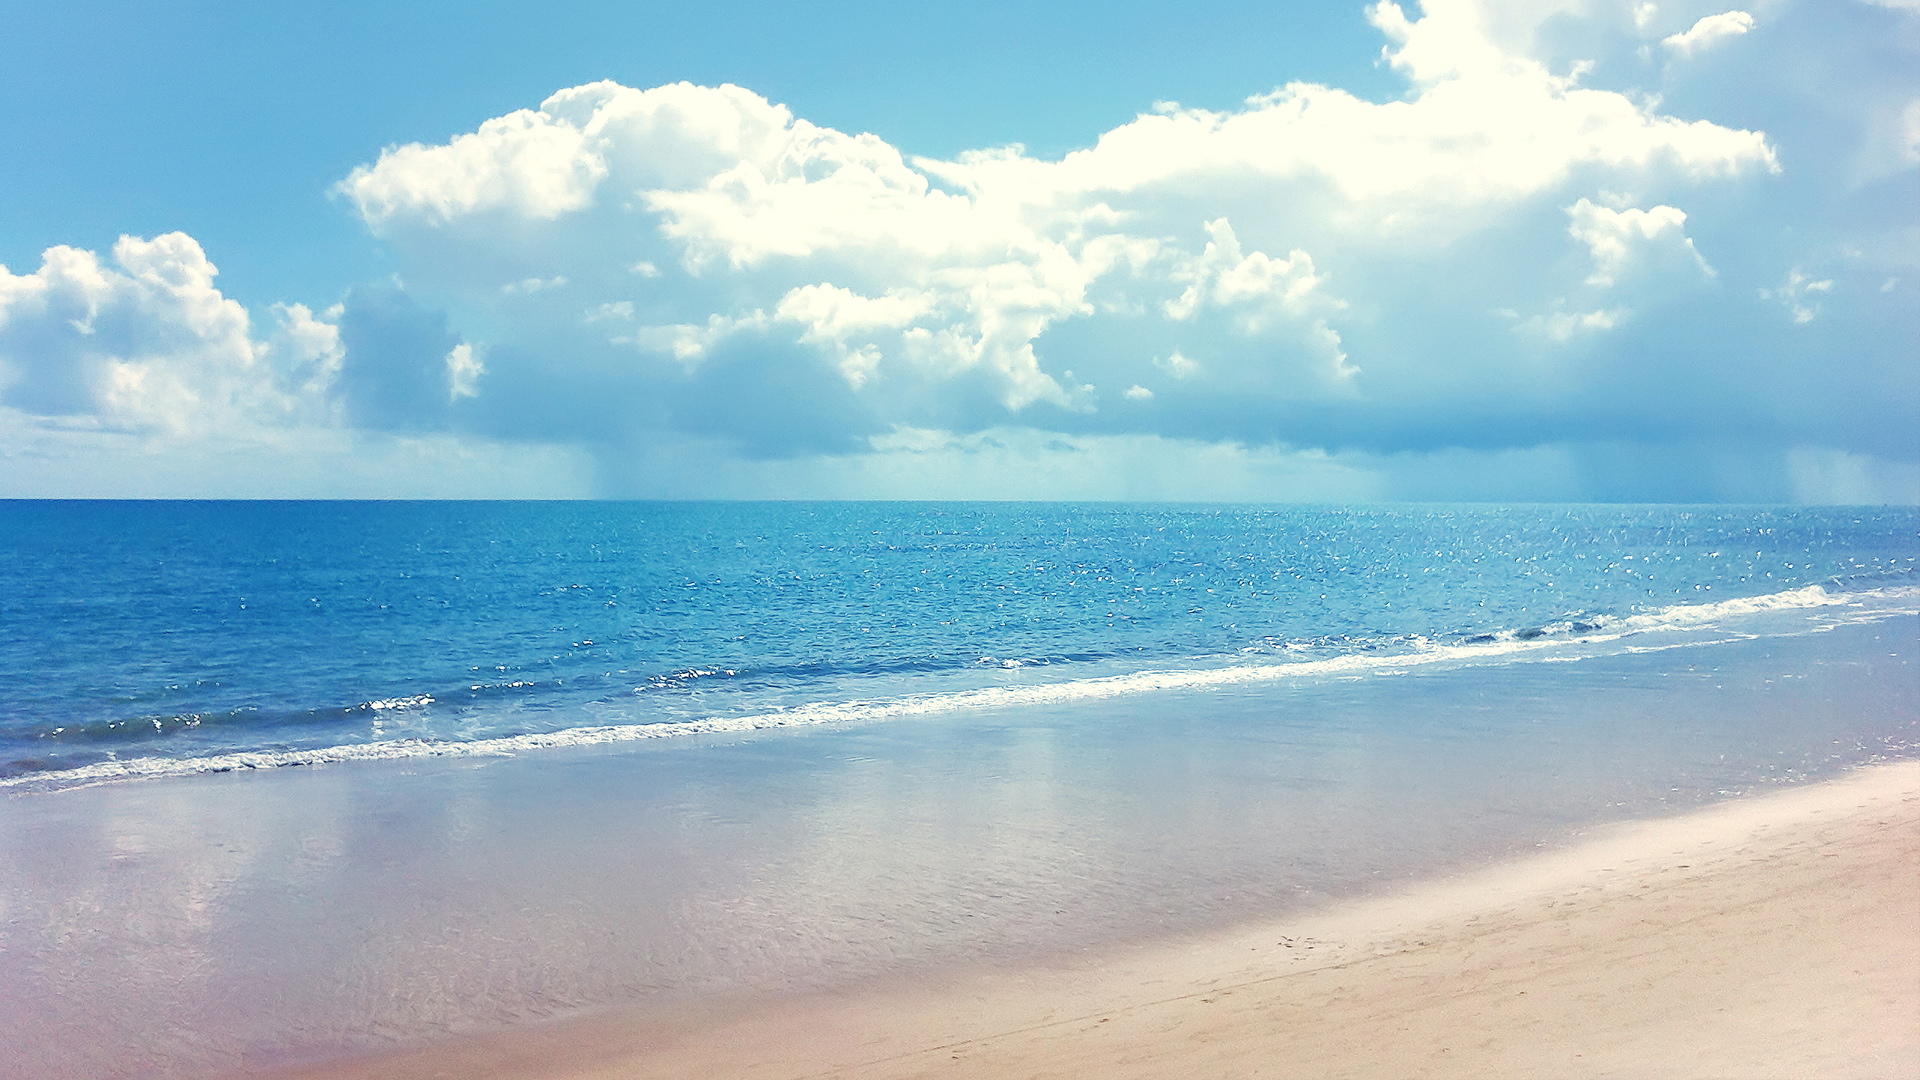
pixel 1678 617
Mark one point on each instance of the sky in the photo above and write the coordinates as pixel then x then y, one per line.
pixel 1559 250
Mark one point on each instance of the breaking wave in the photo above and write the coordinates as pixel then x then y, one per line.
pixel 1817 608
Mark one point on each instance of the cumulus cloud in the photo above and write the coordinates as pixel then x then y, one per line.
pixel 134 376
pixel 148 342
pixel 463 372
pixel 520 164
pixel 1482 129
pixel 1622 240
pixel 1255 287
pixel 1708 31
pixel 1538 262
pixel 403 366
pixel 1215 262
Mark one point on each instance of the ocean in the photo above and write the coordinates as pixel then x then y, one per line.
pixel 286 780
pixel 167 637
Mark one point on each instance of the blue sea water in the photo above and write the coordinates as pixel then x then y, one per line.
pixel 663 758
pixel 150 638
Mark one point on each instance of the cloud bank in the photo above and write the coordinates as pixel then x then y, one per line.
pixel 1534 275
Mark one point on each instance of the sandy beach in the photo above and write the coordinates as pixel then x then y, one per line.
pixel 1776 935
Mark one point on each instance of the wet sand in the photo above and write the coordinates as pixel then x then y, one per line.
pixel 1776 935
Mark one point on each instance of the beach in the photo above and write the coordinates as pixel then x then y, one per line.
pixel 1776 935
pixel 1016 790
pixel 1372 539
pixel 1392 876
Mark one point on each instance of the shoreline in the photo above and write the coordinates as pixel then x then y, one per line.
pixel 1775 934
pixel 1685 626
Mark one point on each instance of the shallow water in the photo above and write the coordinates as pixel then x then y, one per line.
pixel 179 925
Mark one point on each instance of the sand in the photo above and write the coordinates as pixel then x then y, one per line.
pixel 1775 935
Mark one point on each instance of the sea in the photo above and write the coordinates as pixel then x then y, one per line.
pixel 160 638
pixel 286 780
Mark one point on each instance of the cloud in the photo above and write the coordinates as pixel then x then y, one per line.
pixel 1799 294
pixel 1212 259
pixel 149 343
pixel 1178 365
pixel 520 164
pixel 137 377
pixel 1622 240
pixel 463 372
pixel 1257 289
pixel 403 367
pixel 1028 463
pixel 1564 326
pixel 1533 270
pixel 1482 129
pixel 1708 31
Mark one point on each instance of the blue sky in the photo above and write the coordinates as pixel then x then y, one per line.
pixel 1570 249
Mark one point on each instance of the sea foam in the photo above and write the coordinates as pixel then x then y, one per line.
pixel 1736 618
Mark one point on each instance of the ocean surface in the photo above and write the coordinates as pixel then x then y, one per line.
pixel 156 638
pixel 285 781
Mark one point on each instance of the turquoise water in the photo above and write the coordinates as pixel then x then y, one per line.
pixel 672 758
pixel 177 635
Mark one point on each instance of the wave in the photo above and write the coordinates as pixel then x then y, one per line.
pixel 1690 616
pixel 1528 643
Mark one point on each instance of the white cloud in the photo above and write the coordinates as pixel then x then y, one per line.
pixel 463 372
pixel 852 325
pixel 150 343
pixel 137 377
pixel 1800 295
pixel 1257 293
pixel 306 354
pixel 533 284
pixel 525 163
pixel 1618 239
pixel 1255 286
pixel 1709 31
pixel 1503 257
pixel 1564 326
pixel 1483 127
pixel 694 222
pixel 689 344
pixel 1178 365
